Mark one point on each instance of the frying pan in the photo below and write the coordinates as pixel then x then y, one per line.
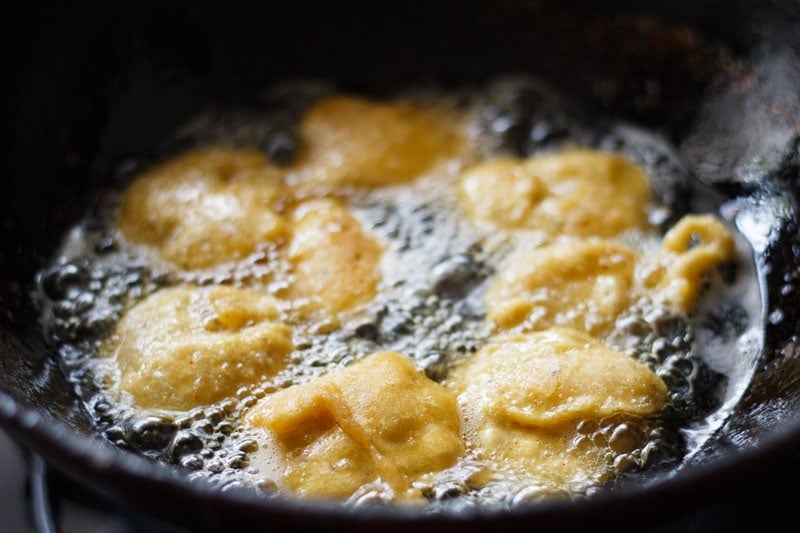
pixel 87 86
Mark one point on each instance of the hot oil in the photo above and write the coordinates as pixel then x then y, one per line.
pixel 430 303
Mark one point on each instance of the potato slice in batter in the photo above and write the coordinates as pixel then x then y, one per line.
pixel 187 346
pixel 354 141
pixel 582 284
pixel 690 251
pixel 205 207
pixel 380 419
pixel 523 396
pixel 578 192
pixel 336 264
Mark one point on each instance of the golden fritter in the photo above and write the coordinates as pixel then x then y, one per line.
pixel 188 346
pixel 205 207
pixel 377 420
pixel 360 142
pixel 523 396
pixel 577 192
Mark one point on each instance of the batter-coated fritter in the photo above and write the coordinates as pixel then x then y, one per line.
pixel 188 346
pixel 523 397
pixel 205 207
pixel 335 263
pixel 690 251
pixel 583 284
pixel 578 192
pixel 354 141
pixel 379 419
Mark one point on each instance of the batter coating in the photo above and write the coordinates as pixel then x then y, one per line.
pixel 690 251
pixel 205 207
pixel 188 346
pixel 582 284
pixel 577 192
pixel 354 141
pixel 336 264
pixel 523 396
pixel 379 419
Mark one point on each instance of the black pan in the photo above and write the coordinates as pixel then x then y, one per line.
pixel 87 86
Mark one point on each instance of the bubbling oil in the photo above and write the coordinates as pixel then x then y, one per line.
pixel 429 307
